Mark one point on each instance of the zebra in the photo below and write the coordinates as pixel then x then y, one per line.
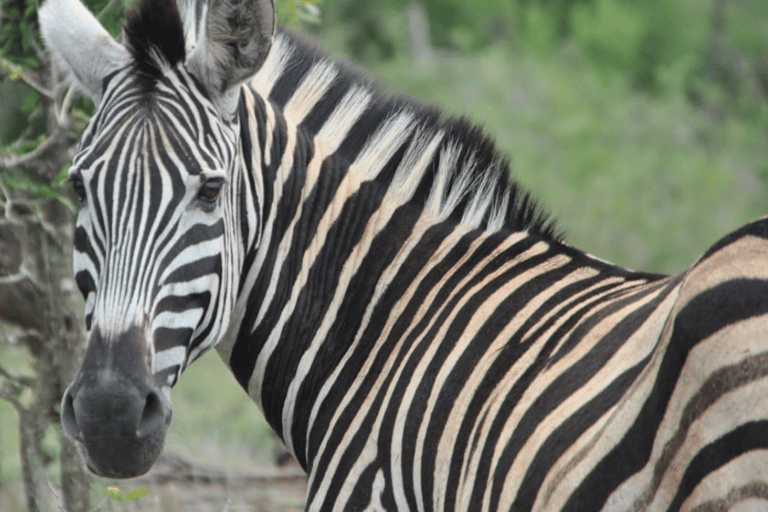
pixel 408 319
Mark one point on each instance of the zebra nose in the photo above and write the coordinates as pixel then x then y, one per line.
pixel 114 409
pixel 98 413
pixel 119 431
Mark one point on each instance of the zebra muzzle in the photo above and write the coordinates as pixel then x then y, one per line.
pixel 114 411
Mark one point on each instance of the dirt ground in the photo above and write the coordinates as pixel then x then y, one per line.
pixel 176 485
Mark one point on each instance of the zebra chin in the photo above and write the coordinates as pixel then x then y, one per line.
pixel 114 410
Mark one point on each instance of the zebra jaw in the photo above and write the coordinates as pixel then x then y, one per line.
pixel 114 409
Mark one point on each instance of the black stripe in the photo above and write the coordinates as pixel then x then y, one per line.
pixel 191 270
pixel 314 299
pixel 360 290
pixel 181 303
pixel 758 228
pixel 434 277
pixel 404 278
pixel 747 437
pixel 203 335
pixel 705 314
pixel 571 381
pixel 500 317
pixel 563 437
pixel 167 337
pixel 468 360
pixel 295 70
pixel 249 343
pixel 321 110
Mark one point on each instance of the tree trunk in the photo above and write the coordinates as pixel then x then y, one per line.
pixel 38 495
pixel 418 26
pixel 55 342
pixel 716 50
pixel 64 340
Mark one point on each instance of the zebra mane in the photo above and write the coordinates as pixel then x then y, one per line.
pixel 446 164
pixel 155 37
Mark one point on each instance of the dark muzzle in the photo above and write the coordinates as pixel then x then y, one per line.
pixel 114 409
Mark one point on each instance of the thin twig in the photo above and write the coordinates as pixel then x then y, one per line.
pixel 48 227
pixel 6 394
pixel 10 161
pixel 17 71
pixel 62 118
pixel 10 203
pixel 56 495
pixel 39 50
pixel 6 192
pixel 106 9
pixel 17 378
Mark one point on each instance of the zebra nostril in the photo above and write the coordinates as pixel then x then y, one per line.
pixel 152 417
pixel 68 418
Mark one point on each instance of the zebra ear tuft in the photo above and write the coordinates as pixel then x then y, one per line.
pixel 232 42
pixel 79 45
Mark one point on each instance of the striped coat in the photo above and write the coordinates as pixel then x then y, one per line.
pixel 407 318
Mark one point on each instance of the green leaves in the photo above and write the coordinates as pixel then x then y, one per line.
pixel 114 493
pixel 292 12
pixel 17 34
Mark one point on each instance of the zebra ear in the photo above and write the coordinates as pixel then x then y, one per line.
pixel 231 41
pixel 79 45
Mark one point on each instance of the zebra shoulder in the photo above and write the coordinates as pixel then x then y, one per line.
pixel 711 384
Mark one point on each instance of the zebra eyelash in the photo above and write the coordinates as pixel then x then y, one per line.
pixel 78 187
pixel 209 192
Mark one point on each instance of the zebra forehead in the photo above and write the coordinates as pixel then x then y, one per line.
pixel 177 134
pixel 149 149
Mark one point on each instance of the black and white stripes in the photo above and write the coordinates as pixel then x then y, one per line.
pixel 406 317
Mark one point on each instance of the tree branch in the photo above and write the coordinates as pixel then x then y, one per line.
pixel 15 71
pixel 10 246
pixel 11 161
pixel 56 496
pixel 7 395
pixel 20 302
pixel 17 378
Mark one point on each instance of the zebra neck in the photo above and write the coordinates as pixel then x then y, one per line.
pixel 343 261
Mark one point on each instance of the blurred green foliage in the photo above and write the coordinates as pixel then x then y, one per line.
pixel 27 95
pixel 632 40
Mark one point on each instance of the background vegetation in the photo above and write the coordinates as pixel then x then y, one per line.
pixel 641 124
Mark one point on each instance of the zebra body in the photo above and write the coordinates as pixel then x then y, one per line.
pixel 408 321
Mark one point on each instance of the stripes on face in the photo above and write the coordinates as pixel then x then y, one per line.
pixel 151 244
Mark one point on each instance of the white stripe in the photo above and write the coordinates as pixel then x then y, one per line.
pixel 378 150
pixel 311 90
pixel 190 254
pixel 168 358
pixel 273 66
pixel 344 116
pixel 200 284
pixel 172 319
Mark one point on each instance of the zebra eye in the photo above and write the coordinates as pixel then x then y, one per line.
pixel 210 190
pixel 78 187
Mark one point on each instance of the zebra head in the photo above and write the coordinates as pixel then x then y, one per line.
pixel 157 176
